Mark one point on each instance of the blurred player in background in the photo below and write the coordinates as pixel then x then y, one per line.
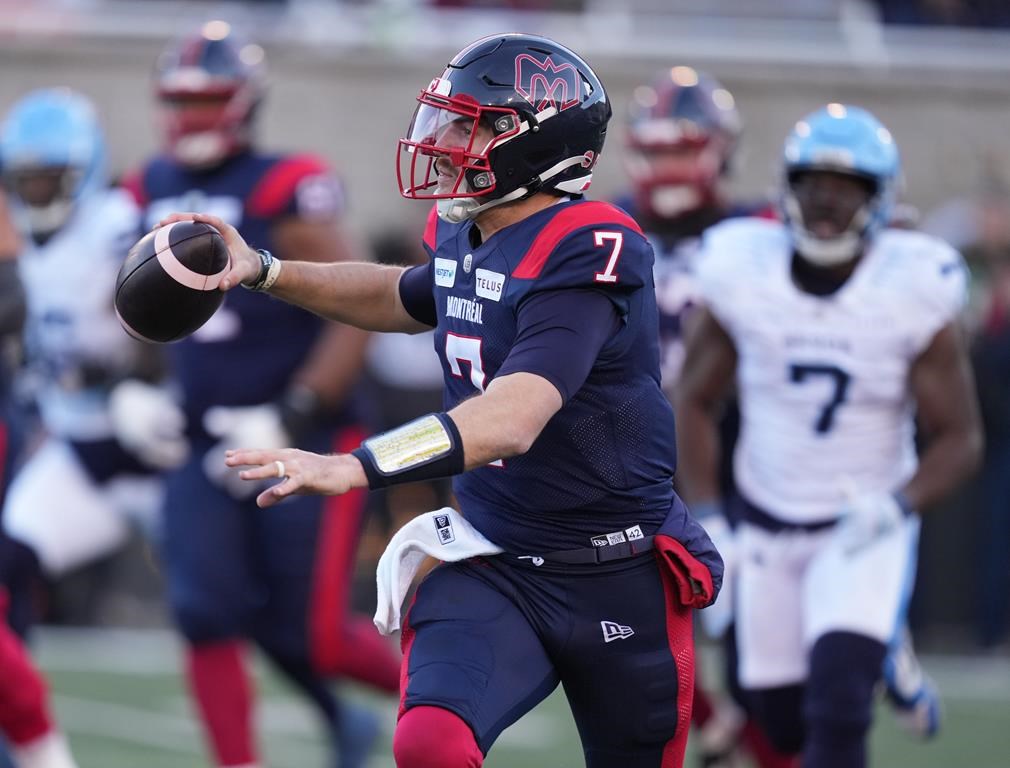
pixel 838 332
pixel 259 372
pixel 556 430
pixel 682 131
pixel 79 489
pixel 74 498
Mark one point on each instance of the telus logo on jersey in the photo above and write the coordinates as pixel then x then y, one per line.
pixel 445 272
pixel 556 85
pixel 489 284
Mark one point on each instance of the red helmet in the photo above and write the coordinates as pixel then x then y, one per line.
pixel 209 85
pixel 682 130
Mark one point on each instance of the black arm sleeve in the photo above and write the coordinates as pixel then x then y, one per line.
pixel 12 299
pixel 560 336
pixel 417 294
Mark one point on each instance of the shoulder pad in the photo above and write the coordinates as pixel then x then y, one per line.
pixel 934 275
pixel 570 222
pixel 299 184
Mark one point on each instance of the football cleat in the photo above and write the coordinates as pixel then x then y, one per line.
pixel 911 693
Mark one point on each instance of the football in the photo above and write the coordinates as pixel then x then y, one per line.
pixel 168 285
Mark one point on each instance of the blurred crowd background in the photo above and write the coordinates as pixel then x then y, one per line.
pixel 343 78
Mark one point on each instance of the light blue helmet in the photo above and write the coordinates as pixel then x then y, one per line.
pixel 56 132
pixel 848 140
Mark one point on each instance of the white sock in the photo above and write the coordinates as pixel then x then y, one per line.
pixel 48 751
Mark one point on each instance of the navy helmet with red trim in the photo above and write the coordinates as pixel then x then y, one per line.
pixel 209 85
pixel 512 115
pixel 681 132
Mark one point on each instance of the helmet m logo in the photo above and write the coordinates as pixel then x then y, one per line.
pixel 554 85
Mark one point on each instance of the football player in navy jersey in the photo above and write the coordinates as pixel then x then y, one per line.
pixel 682 130
pixel 260 372
pixel 555 427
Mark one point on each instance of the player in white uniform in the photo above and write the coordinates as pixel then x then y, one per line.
pixel 74 498
pixel 840 336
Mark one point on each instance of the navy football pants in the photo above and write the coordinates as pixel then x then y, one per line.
pixel 490 638
pixel 280 576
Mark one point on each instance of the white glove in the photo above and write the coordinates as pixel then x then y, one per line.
pixel 868 518
pixel 254 426
pixel 149 423
pixel 716 618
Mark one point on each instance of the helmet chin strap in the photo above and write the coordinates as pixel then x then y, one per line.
pixel 671 200
pixel 201 150
pixel 826 251
pixel 44 220
pixel 455 210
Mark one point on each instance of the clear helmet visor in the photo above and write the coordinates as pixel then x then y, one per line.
pixel 445 153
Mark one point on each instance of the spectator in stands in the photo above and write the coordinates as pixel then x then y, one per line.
pixel 954 13
pixel 980 228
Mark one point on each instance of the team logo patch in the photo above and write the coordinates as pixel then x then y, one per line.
pixel 546 84
pixel 489 284
pixel 443 527
pixel 445 272
pixel 467 263
pixel 614 631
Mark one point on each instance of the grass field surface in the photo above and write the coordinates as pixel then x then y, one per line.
pixel 119 696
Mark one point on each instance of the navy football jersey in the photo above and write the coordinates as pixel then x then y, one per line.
pixel 246 353
pixel 604 463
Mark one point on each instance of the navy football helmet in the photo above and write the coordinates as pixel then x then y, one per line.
pixel 512 115
pixel 681 131
pixel 52 151
pixel 849 141
pixel 209 85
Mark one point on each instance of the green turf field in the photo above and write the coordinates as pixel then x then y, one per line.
pixel 119 697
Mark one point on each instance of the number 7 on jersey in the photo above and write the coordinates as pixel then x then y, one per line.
pixel 602 239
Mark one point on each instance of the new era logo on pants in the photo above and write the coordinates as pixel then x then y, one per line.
pixel 614 631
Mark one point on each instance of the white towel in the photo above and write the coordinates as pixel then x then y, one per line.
pixel 444 535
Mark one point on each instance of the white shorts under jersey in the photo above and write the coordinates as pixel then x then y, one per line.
pixel 72 329
pixel 823 381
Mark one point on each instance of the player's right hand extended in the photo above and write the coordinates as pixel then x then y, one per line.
pixel 300 472
pixel 245 262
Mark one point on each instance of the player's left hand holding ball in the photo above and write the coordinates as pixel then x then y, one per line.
pixel 245 262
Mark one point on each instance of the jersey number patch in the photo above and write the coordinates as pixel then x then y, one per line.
pixel 608 275
pixel 799 373
pixel 466 349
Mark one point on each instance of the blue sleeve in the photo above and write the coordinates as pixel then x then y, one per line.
pixel 417 294
pixel 560 335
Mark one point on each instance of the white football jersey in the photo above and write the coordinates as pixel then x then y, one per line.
pixel 823 380
pixel 72 328
pixel 676 295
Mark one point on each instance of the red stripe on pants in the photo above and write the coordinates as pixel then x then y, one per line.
pixel 342 644
pixel 679 632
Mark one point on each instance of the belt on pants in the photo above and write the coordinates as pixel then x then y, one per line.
pixel 595 555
